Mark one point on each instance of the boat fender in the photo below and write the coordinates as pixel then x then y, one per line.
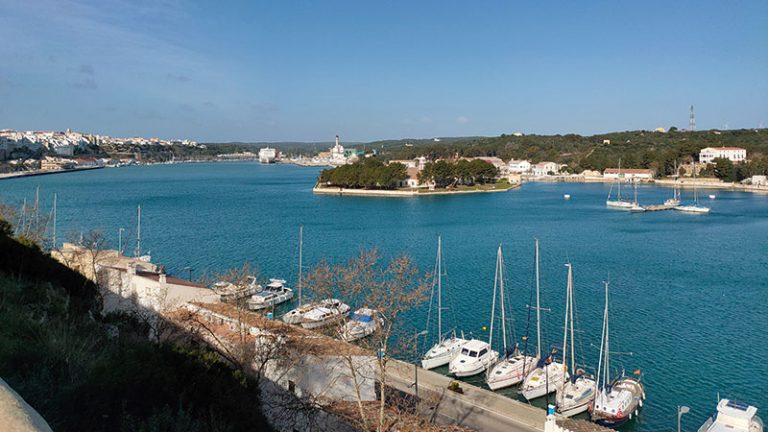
pixel 641 402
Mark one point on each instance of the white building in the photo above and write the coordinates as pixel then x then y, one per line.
pixel 337 154
pixel 734 154
pixel 628 173
pixel 542 169
pixel 267 155
pixel 519 166
pixel 759 180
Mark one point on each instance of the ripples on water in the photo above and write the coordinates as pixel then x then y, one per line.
pixel 689 293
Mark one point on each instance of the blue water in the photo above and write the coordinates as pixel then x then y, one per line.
pixel 689 293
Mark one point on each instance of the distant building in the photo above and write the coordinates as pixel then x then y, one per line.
pixel 519 166
pixel 267 155
pixel 759 180
pixel 409 163
pixel 493 160
pixel 734 154
pixel 628 173
pixel 542 169
pixel 337 154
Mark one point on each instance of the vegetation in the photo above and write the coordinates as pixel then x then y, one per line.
pixel 636 149
pixel 370 173
pixel 85 372
pixel 463 172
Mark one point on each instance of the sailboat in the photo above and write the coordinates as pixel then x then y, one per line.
pixel 578 391
pixel 476 355
pixel 294 316
pixel 548 373
pixel 446 349
pixel 137 254
pixel 695 207
pixel 622 204
pixel 617 400
pixel 515 365
pixel 675 200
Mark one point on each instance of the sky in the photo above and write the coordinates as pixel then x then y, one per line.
pixel 308 70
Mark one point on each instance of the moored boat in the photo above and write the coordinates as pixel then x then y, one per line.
pixel 327 312
pixel 363 322
pixel 446 348
pixel 273 294
pixel 474 358
pixel 733 416
pixel 617 401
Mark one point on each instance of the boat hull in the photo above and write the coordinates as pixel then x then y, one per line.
pixel 505 374
pixel 442 353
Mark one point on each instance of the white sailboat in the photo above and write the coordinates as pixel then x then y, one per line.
pixel 446 348
pixel 477 356
pixel 675 200
pixel 578 391
pixel 547 373
pixel 695 207
pixel 616 401
pixel 622 204
pixel 274 294
pixel 514 367
pixel 733 416
pixel 295 315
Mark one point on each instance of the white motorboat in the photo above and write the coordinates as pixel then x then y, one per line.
pixel 294 316
pixel 446 348
pixel 274 294
pixel 513 368
pixel 475 357
pixel 329 311
pixel 578 391
pixel 695 207
pixel 363 322
pixel 733 416
pixel 617 401
pixel 232 293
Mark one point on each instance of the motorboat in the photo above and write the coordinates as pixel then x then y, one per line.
pixel 445 348
pixel 232 293
pixel 474 358
pixel 294 316
pixel 733 416
pixel 363 322
pixel 616 401
pixel 327 312
pixel 578 391
pixel 273 294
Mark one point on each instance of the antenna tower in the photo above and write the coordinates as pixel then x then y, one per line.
pixel 692 121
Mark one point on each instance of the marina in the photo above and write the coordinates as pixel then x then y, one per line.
pixel 648 286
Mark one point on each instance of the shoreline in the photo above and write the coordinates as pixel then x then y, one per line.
pixel 47 172
pixel 400 193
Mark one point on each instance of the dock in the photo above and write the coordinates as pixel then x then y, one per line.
pixel 659 207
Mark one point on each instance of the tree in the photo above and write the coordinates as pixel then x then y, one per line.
pixel 724 169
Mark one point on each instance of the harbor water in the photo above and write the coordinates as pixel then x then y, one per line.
pixel 689 293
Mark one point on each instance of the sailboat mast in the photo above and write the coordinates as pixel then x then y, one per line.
pixel 565 324
pixel 138 234
pixel 53 246
pixel 538 306
pixel 602 345
pixel 440 288
pixel 573 341
pixel 493 303
pixel 695 190
pixel 501 287
pixel 301 246
pixel 607 340
pixel 619 180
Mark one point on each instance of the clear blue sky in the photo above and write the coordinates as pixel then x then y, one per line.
pixel 290 70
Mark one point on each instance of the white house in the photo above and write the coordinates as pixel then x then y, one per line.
pixel 267 155
pixel 735 154
pixel 759 180
pixel 409 163
pixel 628 173
pixel 542 169
pixel 519 166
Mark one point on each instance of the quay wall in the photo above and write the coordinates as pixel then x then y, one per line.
pixel 400 193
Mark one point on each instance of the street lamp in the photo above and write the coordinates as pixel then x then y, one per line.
pixel 680 411
pixel 416 365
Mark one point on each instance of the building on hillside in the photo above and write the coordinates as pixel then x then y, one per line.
pixel 409 163
pixel 495 161
pixel 267 155
pixel 734 154
pixel 543 169
pixel 519 166
pixel 413 178
pixel 758 180
pixel 628 173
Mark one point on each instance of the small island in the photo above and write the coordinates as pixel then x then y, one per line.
pixel 417 177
